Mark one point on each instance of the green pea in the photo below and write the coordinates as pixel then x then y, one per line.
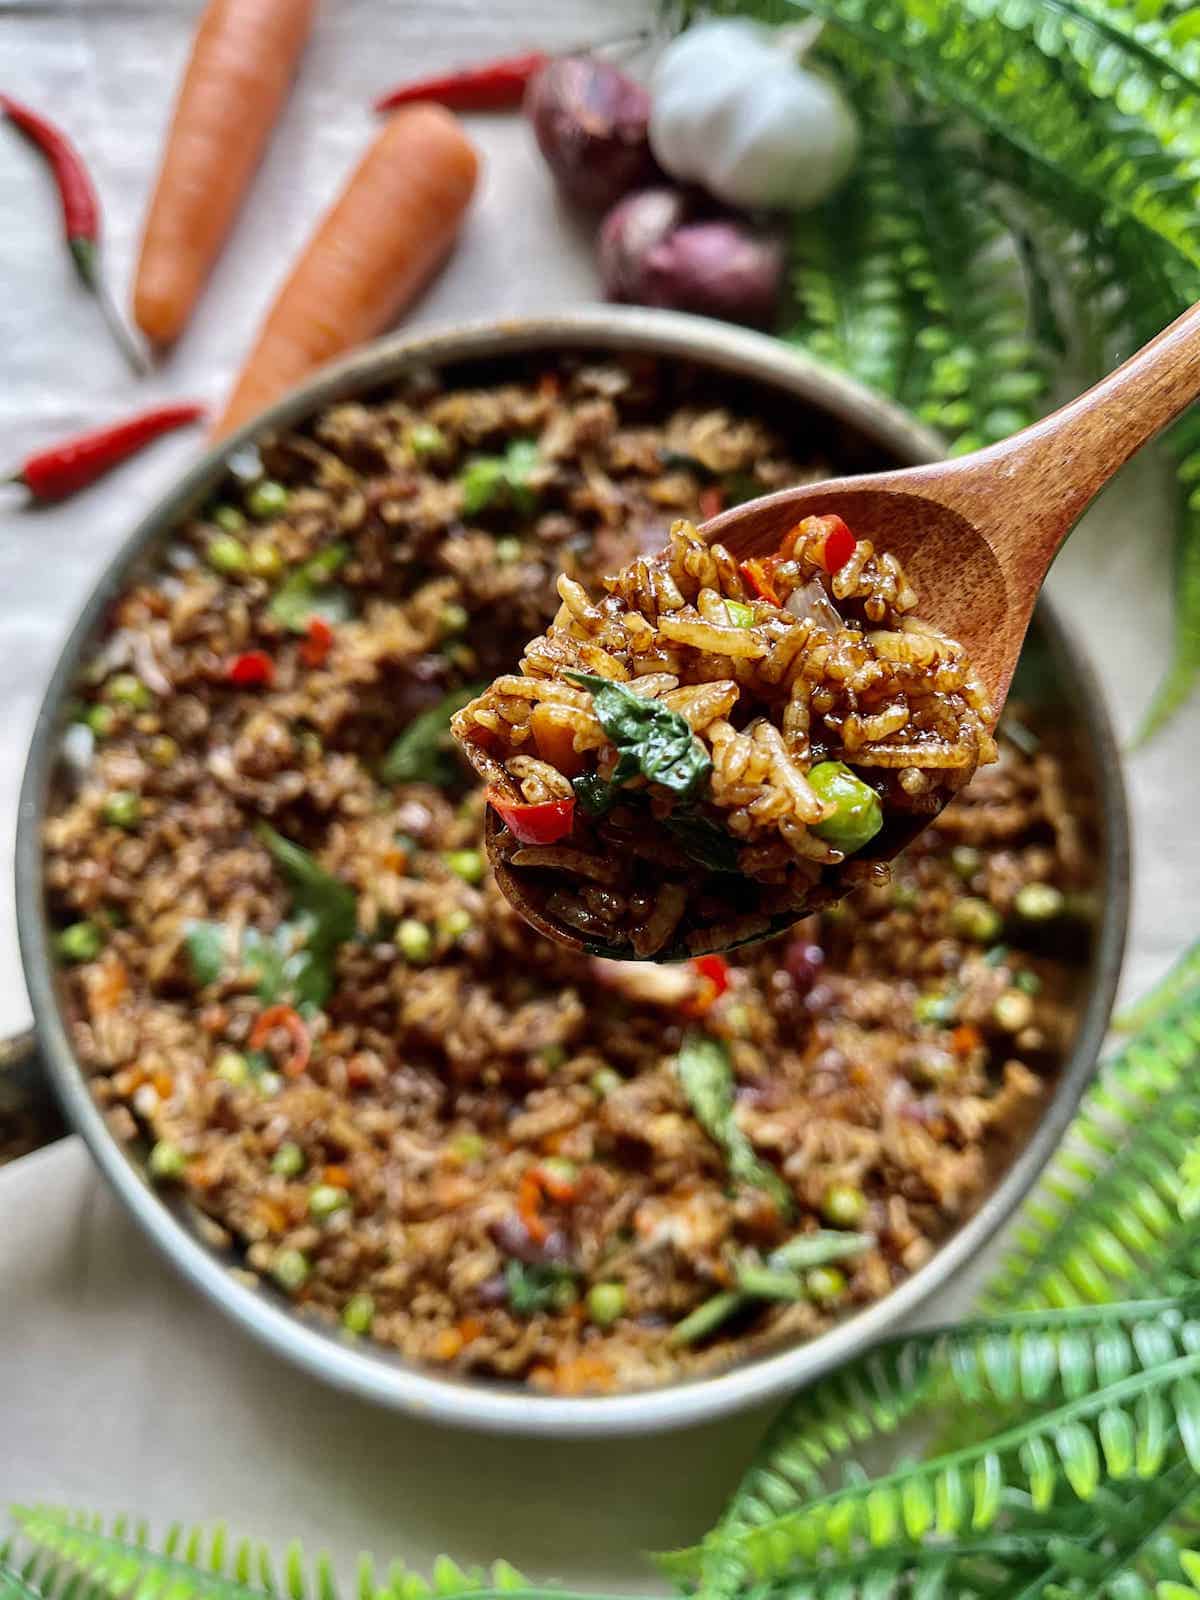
pixel 123 689
pixel 1039 902
pixel 469 865
pixel 740 614
pixel 290 1270
pixel 288 1161
pixel 264 559
pixel 1012 1011
pixel 455 924
pixel 232 1067
pixel 468 1147
pixel 508 550
pixel 100 719
pixel 966 860
pixel 453 619
pixel 844 1206
pixel 326 1201
pixel 604 1080
pixel 606 1303
pixel 561 1170
pixel 123 809
pixel 267 499
pixel 167 1161
pixel 423 439
pixel 553 1056
pixel 1028 982
pixel 358 1313
pixel 229 519
pixel 226 554
pixel 82 941
pixel 976 919
pixel 163 750
pixel 825 1284
pixel 857 815
pixel 415 941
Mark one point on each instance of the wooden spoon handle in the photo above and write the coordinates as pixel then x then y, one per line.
pixel 1028 491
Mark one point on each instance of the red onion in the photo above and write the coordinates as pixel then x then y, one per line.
pixel 590 121
pixel 629 232
pixel 811 602
pixel 719 269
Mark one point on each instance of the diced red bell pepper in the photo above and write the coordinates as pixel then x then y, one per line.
pixel 254 669
pixel 759 573
pixel 317 643
pixel 544 822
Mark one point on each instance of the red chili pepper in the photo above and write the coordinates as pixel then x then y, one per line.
pixel 835 543
pixel 490 86
pixel 713 971
pixel 284 1017
pixel 759 573
pixel 711 501
pixel 66 468
pixel 81 215
pixel 317 645
pixel 542 823
pixel 252 670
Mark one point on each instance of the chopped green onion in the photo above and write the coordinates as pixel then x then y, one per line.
pixel 267 499
pixel 167 1162
pixel 123 809
pixel 972 918
pixel 740 614
pixel 232 1067
pixel 825 1284
pixel 288 1161
pixel 844 1206
pixel 100 719
pixel 124 689
pixel 469 865
pixel 358 1313
pixel 468 1147
pixel 455 923
pixel 415 941
pixel 326 1201
pixel 1039 902
pixel 706 1318
pixel 424 439
pixel 226 554
pixel 228 518
pixel 290 1270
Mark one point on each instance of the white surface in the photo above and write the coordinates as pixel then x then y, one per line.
pixel 118 1388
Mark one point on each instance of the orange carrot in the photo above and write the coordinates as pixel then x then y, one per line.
pixel 241 67
pixel 388 231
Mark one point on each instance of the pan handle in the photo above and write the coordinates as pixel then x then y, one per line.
pixel 25 1091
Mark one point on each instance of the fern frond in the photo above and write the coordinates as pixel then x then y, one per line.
pixel 1120 1431
pixel 1180 982
pixel 202 1564
pixel 1106 1210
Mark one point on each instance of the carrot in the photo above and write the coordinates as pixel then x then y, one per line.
pixel 241 67
pixel 387 232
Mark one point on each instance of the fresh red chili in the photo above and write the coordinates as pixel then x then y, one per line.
pixel 713 971
pixel 490 86
pixel 68 467
pixel 81 214
pixel 317 644
pixel 759 573
pixel 293 1023
pixel 253 670
pixel 543 823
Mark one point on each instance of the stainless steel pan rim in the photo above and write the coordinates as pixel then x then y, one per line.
pixel 364 1369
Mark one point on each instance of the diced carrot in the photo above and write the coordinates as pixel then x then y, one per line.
pixel 337 1177
pixel 965 1039
pixel 447 1344
pixel 470 1329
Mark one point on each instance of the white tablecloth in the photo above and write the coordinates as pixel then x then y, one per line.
pixel 118 1388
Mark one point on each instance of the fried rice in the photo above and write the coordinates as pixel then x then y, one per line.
pixel 733 735
pixel 300 997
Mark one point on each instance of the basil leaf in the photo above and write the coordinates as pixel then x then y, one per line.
pixel 205 946
pixel 594 795
pixel 330 910
pixel 708 845
pixel 536 1288
pixel 705 1072
pixel 424 752
pixel 307 592
pixel 264 956
pixel 654 742
pixel 501 480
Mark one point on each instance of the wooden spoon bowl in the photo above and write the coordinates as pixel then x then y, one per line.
pixel 976 536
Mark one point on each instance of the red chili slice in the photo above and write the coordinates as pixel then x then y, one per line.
pixel 254 669
pixel 317 644
pixel 713 970
pixel 759 573
pixel 284 1017
pixel 545 822
pixel 838 544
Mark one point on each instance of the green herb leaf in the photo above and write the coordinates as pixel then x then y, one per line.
pixel 706 1075
pixel 702 840
pixel 654 742
pixel 536 1288
pixel 501 480
pixel 331 912
pixel 308 592
pixel 205 946
pixel 424 752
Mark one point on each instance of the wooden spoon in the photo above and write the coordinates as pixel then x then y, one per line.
pixel 976 534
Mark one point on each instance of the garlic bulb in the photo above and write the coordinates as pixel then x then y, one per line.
pixel 731 111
